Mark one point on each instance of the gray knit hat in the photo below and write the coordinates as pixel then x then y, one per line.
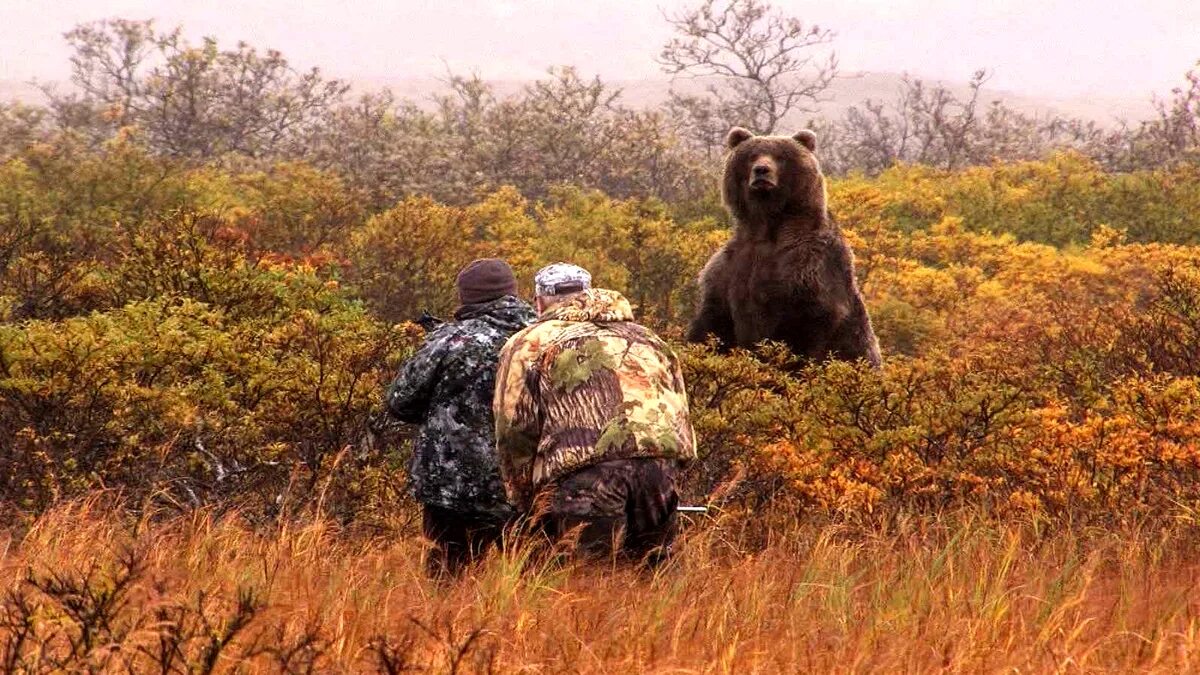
pixel 561 279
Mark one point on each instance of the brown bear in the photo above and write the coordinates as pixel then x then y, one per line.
pixel 787 274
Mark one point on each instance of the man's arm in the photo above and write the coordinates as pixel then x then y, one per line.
pixel 518 422
pixel 409 395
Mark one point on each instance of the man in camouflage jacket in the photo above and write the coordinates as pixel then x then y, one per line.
pixel 447 388
pixel 592 422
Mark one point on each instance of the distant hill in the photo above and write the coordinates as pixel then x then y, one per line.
pixel 851 89
pixel 15 90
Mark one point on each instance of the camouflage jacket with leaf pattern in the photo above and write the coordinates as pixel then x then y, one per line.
pixel 582 385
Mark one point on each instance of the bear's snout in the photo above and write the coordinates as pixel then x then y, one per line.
pixel 763 173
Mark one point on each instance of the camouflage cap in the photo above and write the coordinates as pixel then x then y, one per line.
pixel 561 279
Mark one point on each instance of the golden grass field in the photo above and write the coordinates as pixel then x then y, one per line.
pixel 961 592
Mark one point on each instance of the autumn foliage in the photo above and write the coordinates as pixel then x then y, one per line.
pixel 197 335
pixel 201 306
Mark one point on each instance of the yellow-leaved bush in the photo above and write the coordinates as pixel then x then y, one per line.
pixel 198 334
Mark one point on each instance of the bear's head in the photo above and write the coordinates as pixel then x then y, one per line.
pixel 769 178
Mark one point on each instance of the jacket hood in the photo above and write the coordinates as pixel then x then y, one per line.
pixel 503 312
pixel 597 305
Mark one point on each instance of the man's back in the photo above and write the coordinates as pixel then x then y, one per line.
pixel 447 388
pixel 584 385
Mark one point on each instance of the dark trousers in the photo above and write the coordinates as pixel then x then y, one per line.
pixel 459 538
pixel 623 507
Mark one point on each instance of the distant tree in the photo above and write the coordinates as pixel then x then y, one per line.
pixel 762 65
pixel 107 64
pixel 565 129
pixel 931 125
pixel 20 125
pixel 926 125
pixel 1177 127
pixel 190 101
pixel 384 147
pixel 1172 136
pixel 561 129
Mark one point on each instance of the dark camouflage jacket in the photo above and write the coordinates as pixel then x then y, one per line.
pixel 446 388
pixel 586 384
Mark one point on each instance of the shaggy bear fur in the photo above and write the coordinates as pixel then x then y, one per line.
pixel 787 274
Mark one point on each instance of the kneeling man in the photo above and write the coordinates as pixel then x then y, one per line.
pixel 592 423
pixel 447 388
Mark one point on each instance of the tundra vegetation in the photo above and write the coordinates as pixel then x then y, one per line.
pixel 211 265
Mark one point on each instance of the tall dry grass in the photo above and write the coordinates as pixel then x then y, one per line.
pixel 86 589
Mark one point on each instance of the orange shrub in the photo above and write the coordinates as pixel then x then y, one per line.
pixel 200 333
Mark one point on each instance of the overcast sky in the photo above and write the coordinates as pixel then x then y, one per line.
pixel 1042 47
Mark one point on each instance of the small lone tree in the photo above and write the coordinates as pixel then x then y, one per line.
pixel 762 65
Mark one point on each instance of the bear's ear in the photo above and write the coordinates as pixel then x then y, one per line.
pixel 736 136
pixel 807 138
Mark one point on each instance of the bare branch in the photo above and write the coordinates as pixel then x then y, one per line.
pixel 763 63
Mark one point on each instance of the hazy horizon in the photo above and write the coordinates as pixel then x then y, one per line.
pixel 1059 48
